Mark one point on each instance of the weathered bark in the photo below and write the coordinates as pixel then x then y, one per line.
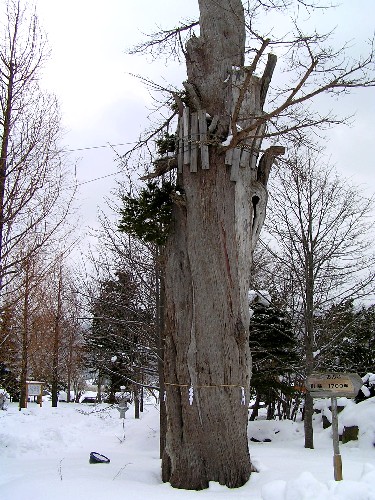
pixel 206 340
pixel 208 260
pixel 210 57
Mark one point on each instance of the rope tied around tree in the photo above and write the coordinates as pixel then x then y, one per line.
pixel 205 386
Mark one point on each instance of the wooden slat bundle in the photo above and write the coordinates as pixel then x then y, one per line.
pixel 192 138
pixel 193 145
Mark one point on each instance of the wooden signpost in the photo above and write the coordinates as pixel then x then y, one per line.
pixel 334 385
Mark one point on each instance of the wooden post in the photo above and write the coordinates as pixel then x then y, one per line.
pixel 337 463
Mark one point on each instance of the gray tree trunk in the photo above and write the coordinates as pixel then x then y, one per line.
pixel 208 260
pixel 160 304
pixel 309 250
pixel 136 401
pixel 25 337
pixel 56 345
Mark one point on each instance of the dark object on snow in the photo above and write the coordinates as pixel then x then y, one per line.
pixel 255 440
pixel 97 458
pixel 350 434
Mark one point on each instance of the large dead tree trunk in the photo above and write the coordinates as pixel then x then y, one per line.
pixel 208 257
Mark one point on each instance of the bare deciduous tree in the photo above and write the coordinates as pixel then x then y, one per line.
pixel 32 176
pixel 321 230
pixel 43 326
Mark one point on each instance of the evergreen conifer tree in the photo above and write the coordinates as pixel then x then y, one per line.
pixel 348 344
pixel 273 349
pixel 113 341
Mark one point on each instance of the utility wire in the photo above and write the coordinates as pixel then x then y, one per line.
pixel 99 147
pixel 99 178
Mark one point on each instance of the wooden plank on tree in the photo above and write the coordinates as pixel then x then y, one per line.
pixel 245 158
pixel 194 137
pixel 185 119
pixel 228 157
pixel 235 164
pixel 205 160
pixel 180 159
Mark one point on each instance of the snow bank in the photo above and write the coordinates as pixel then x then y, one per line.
pixel 274 430
pixel 307 487
pixel 44 455
pixel 363 416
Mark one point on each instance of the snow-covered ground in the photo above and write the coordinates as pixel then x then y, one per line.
pixel 44 455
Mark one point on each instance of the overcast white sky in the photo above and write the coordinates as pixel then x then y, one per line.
pixel 101 103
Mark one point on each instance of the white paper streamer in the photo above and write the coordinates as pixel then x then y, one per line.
pixel 191 395
pixel 243 397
